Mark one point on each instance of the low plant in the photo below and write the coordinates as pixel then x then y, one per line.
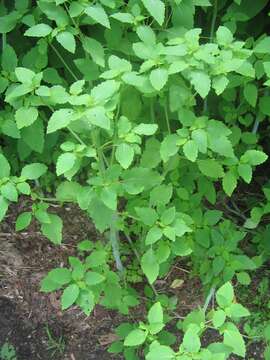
pixel 7 352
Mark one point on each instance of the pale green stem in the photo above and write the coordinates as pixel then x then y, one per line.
pixel 76 136
pixel 209 298
pixel 64 62
pixel 4 41
pixel 167 118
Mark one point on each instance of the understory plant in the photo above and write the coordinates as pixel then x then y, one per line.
pixel 152 117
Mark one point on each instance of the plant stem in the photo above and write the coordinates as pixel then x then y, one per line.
pixel 76 136
pixel 167 118
pixel 4 41
pixel 214 19
pixel 138 258
pixel 114 233
pixel 114 238
pixel 64 62
pixel 208 299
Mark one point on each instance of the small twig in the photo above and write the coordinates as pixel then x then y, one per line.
pixel 238 213
pixel 178 316
pixel 181 269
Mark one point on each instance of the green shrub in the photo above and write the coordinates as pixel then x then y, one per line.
pixel 150 115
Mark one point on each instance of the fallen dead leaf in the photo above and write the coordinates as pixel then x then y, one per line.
pixel 177 283
pixel 107 339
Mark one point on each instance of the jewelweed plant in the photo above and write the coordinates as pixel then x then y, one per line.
pixel 152 117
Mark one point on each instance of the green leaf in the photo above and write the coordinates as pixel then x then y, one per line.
pixel 24 188
pixel 25 75
pixel 135 338
pixel 9 191
pixel 160 352
pixel 225 295
pixel 9 21
pixel 9 59
pixel 150 266
pixel 168 216
pixel 169 147
pixel 224 36
pixel 95 49
pixel 23 221
pixel 263 46
pixel 123 17
pixel 153 235
pixel 219 84
pixel 147 215
pixel 69 296
pixel 264 105
pixel 53 230
pixel 243 278
pixel 234 340
pixel 146 34
pixel 191 340
pixel 61 276
pixel 33 136
pixel 124 154
pixel 97 116
pixel 104 91
pixel 109 198
pixel 237 311
pixel 156 8
pixel 229 183
pixel 219 318
pixel 245 171
pixel 65 162
pixel 200 137
pixel 25 116
pixel 86 301
pixel 155 314
pixel 201 82
pixel 97 258
pixel 67 40
pixel 254 157
pixel 93 278
pixel 4 167
pixel 191 150
pixel 3 207
pixel 39 30
pixel 161 195
pixel 158 77
pixel 251 94
pixel 60 119
pixel 33 171
pixel 97 13
pixel 77 87
pixel 211 168
pixel 145 129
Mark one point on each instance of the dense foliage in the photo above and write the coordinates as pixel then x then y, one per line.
pixel 152 116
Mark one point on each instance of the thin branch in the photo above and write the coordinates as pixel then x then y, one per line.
pixel 64 62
